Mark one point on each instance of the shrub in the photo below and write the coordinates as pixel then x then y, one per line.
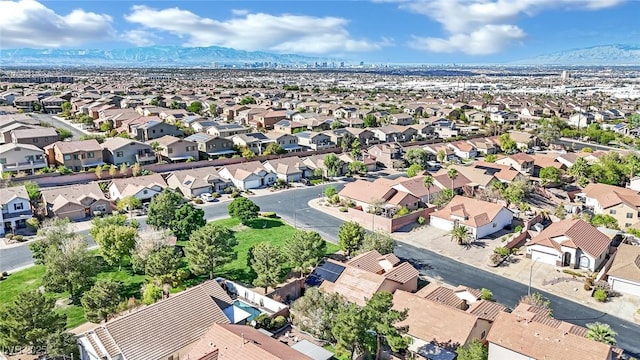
pixel 215 195
pixel 235 194
pixel 9 236
pixel 278 322
pixel 421 220
pixel 5 274
pixel 502 251
pixel 518 229
pixel 573 273
pixel 198 201
pixel 402 212
pixel 18 238
pixel 263 321
pixel 344 209
pixel 269 214
pixel 600 295
pixel 486 294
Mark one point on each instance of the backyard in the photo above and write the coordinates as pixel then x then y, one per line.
pixel 272 230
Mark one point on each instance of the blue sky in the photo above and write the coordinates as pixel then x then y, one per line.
pixel 381 31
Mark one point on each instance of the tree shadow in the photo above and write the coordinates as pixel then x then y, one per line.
pixel 263 223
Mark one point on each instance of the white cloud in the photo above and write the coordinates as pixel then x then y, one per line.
pixel 256 31
pixel 239 12
pixel 480 27
pixel 28 23
pixel 140 37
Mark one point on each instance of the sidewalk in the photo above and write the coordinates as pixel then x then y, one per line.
pixel 545 277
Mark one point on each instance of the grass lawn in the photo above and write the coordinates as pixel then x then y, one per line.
pixel 271 230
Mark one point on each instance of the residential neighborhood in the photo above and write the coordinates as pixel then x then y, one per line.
pixel 233 217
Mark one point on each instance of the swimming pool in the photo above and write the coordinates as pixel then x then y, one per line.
pixel 248 308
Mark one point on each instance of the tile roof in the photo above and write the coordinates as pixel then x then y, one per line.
pixel 158 330
pixel 539 341
pixel 131 186
pixel 472 212
pixel 487 310
pixel 367 261
pixel 115 143
pixel 10 193
pixel 355 285
pixel 441 294
pixel 241 342
pixel 610 195
pixel 626 264
pixel 367 192
pixel 196 178
pixel 575 234
pixel 61 195
pixel 67 147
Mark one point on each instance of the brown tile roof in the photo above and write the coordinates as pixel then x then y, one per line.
pixel 68 147
pixel 367 261
pixel 367 192
pixel 402 273
pixel 429 320
pixel 521 158
pixel 487 310
pixel 441 294
pixel 158 330
pixel 472 212
pixel 73 194
pixel 442 180
pixel 626 264
pixel 539 341
pixel 355 285
pixel 575 234
pixel 131 186
pixel 241 342
pixel 610 195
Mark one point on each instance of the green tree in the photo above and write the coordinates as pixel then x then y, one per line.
pixel 427 182
pixel 332 164
pixel 413 170
pixel 51 233
pixel 357 167
pixel 157 149
pixel 244 210
pixel 560 212
pixel 113 170
pixel 129 203
pixel 315 311
pixel 380 321
pixel 274 149
pixel 101 300
pixel 69 267
pixel 580 168
pixel 475 350
pixel 550 129
pixel 136 169
pixel 605 220
pixel 443 197
pixel 304 250
pixel 329 191
pixel 550 175
pixel 515 192
pixel 195 107
pixel 348 330
pixel 116 242
pixel 29 319
pixel 209 246
pixel 187 219
pixel 506 143
pixel 33 190
pixel 351 236
pixel 66 106
pixel 452 174
pixel 379 241
pixel 151 293
pixel 63 133
pixel 461 234
pixel 247 100
pixel 491 158
pixel 486 294
pixel 163 263
pixel 417 157
pixel 601 332
pixel 213 109
pixel 62 343
pixel 247 153
pixel 370 121
pixel 267 264
pixel 441 155
pixel 175 105
pixel 163 207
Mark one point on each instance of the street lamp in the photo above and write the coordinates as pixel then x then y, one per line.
pixel 531 274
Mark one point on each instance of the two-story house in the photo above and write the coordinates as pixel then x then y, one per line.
pixel 401 119
pixel 226 130
pixel 287 141
pixel 153 130
pixel 16 208
pixel 256 142
pixel 211 146
pixel 521 162
pixel 313 140
pixel 21 157
pixel 621 203
pixel 386 154
pixel 75 155
pixel 175 149
pixel 119 150
pixel 38 136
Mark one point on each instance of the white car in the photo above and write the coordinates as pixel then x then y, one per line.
pixel 206 197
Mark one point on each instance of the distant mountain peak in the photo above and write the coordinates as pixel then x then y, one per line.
pixel 599 55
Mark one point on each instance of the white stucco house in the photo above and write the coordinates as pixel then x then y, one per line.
pixel 141 187
pixel 624 273
pixel 16 208
pixel 249 175
pixel 572 243
pixel 483 218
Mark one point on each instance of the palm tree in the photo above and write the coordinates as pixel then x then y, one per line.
pixel 601 332
pixel 452 174
pixel 461 234
pixel 157 148
pixel 427 181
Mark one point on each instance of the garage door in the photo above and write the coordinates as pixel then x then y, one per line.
pixel 441 223
pixel 543 257
pixel 624 286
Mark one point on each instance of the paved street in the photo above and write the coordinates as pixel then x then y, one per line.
pixel 577 145
pixel 292 206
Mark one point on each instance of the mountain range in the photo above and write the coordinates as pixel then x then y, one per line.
pixel 150 56
pixel 602 55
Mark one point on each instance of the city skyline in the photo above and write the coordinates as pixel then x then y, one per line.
pixel 391 31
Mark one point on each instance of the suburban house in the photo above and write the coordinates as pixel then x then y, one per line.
pixel 503 173
pixel 52 104
pixel 572 243
pixel 248 175
pixel 435 149
pixel 364 275
pixel 289 127
pixel 624 274
pixel 76 202
pixel 317 162
pixel 194 182
pixel 75 155
pixel 144 188
pixel 212 146
pixel 524 139
pixel 463 149
pixel 154 129
pixel 503 117
pixel 378 196
pixel 386 154
pixel 168 329
pixel 521 162
pixel 38 136
pixel 267 119
pixel 437 326
pixel 21 157
pixel 175 149
pixel 483 218
pixel 227 130
pixel 401 119
pixel 25 103
pixel 484 146
pixel 365 136
pixel 231 341
pixel 530 333
pixel 314 140
pixel 256 142
pixel 621 203
pixel 288 168
pixel 117 150
pixel 287 141
pixel 415 187
pixel 16 209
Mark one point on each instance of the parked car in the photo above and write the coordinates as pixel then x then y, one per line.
pixel 207 197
